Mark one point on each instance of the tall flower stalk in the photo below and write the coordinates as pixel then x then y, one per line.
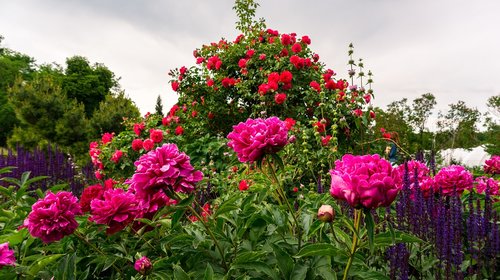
pixel 358 215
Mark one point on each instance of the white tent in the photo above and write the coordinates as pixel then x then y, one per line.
pixel 469 158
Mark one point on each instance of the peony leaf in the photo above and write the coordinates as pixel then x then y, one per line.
pixel 370 228
pixel 317 249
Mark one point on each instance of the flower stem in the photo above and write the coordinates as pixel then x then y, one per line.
pixel 357 221
pixel 81 237
pixel 173 194
pixel 284 198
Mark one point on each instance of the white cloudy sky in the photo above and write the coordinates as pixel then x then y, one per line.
pixel 450 48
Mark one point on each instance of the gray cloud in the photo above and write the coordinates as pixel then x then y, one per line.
pixel 449 48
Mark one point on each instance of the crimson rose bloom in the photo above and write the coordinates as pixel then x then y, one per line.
pixel 7 257
pixel 136 145
pixel 363 181
pixel 148 144
pixel 280 98
pixel 164 167
pixel 53 217
pixel 453 179
pixel 254 138
pixel 90 193
pixel 156 135
pixel 116 209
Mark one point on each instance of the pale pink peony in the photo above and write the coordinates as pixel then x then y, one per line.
pixel 492 165
pixel 452 179
pixel 364 181
pixel 53 217
pixel 116 209
pixel 254 138
pixel 7 257
pixel 482 183
pixel 143 265
pixel 164 167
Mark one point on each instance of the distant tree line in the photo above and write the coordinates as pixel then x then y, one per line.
pixel 67 106
pixel 456 128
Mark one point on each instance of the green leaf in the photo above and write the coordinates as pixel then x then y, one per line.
pixel 299 272
pixel 370 228
pixel 179 273
pixel 285 262
pixel 317 249
pixel 42 263
pixel 209 273
pixel 257 266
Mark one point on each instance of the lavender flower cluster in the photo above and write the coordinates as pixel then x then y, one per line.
pixel 461 229
pixel 49 162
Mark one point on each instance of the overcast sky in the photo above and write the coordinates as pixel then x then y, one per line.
pixel 450 48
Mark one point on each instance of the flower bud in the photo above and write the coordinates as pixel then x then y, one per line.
pixel 143 265
pixel 326 213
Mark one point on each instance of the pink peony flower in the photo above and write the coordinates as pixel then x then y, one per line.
pixel 363 181
pixel 143 265
pixel 116 209
pixel 492 165
pixel 482 183
pixel 414 166
pixel 53 217
pixel 254 138
pixel 164 167
pixel 7 257
pixel 452 179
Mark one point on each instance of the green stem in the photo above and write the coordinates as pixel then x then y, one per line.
pixel 357 221
pixel 81 237
pixel 284 198
pixel 173 194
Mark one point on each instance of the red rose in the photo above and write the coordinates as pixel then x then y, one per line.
pixel 179 130
pixel 372 114
pixel 263 89
pixel 242 63
pixel 175 86
pixel 156 135
pixel 315 85
pixel 148 144
pixel 194 114
pixel 273 77
pixel 136 145
pixel 262 56
pixel 210 83
pixel 296 48
pixel 367 98
pixel 289 122
pixel 286 39
pixel 138 127
pixel 286 77
pixel 280 98
pixel 306 40
pixel 358 112
pixel 243 186
pixel 320 127
pixel 211 115
pixel 325 140
pixel 250 53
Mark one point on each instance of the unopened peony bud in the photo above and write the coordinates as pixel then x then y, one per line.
pixel 326 213
pixel 143 265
